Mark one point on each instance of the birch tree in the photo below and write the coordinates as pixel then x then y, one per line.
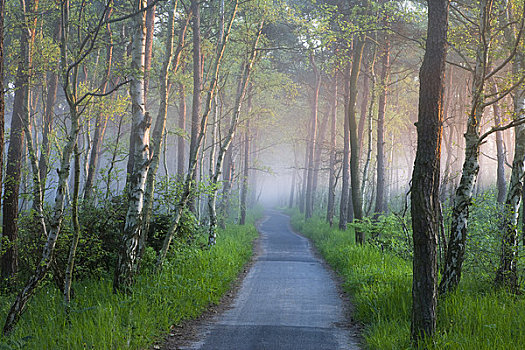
pixel 480 100
pixel 242 85
pixel 127 264
pixel 196 108
pixel 70 60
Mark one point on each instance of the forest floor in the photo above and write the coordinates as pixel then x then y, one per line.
pixel 289 299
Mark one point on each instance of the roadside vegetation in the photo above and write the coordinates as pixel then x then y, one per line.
pixel 194 276
pixel 378 276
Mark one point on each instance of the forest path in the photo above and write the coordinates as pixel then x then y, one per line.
pixel 288 300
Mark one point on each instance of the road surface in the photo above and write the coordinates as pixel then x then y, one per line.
pixel 288 300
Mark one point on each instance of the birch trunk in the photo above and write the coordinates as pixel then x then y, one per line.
pixel 18 306
pixel 214 73
pixel 127 264
pixel 242 87
pixel 370 118
pixel 506 275
pixel 160 123
pixel 76 230
pixel 458 228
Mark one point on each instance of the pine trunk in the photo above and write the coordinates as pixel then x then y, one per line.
pixel 380 183
pixel 425 204
pixel 21 110
pixel 49 114
pixel 354 142
pixel 2 95
pixel 330 208
pixel 181 142
pixel 309 205
pixel 244 188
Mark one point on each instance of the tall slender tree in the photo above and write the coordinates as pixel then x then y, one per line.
pixel 21 108
pixel 127 264
pixel 2 95
pixel 425 204
pixel 380 182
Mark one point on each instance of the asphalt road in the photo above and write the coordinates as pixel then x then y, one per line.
pixel 288 300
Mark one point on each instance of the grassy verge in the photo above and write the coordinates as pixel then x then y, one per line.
pixel 475 317
pixel 191 280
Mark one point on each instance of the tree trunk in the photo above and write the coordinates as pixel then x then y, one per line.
pixel 380 184
pixel 193 158
pixel 244 188
pixel 160 122
pixel 2 95
pixel 49 115
pixel 76 230
pixel 127 264
pixel 462 199
pixel 101 121
pixel 343 207
pixel 501 183
pixel 148 53
pixel 370 118
pixel 309 206
pixel 506 275
pixel 242 87
pixel 9 260
pixel 197 88
pixel 227 178
pixel 425 204
pixel 354 142
pixel 333 147
pixel 181 142
pixel 364 101
pixel 302 194
pixel 18 306
pixel 318 154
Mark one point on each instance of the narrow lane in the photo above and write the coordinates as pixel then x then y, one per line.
pixel 288 300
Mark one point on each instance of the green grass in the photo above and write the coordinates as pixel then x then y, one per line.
pixel 475 317
pixel 191 280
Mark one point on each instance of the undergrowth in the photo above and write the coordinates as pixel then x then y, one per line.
pixel 379 281
pixel 191 280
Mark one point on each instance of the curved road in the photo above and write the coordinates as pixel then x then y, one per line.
pixel 288 300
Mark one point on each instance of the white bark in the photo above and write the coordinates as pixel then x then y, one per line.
pixel 141 121
pixel 241 92
pixel 458 229
pixel 188 183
